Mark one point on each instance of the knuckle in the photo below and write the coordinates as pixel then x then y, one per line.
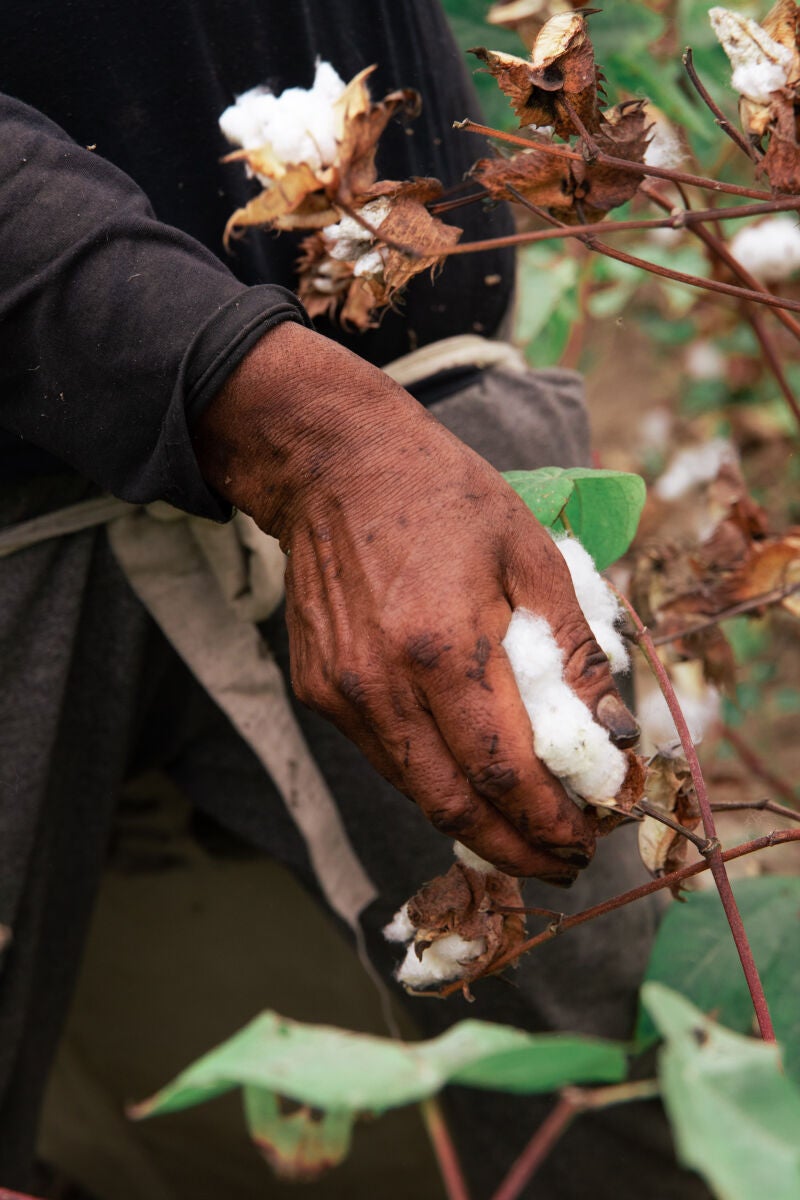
pixel 494 779
pixel 454 818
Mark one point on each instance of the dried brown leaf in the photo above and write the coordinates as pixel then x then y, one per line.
pixel 559 80
pixel 668 787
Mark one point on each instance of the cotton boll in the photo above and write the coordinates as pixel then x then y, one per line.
pixel 372 263
pixel 400 928
pixel 565 735
pixel 664 148
pixel 692 466
pixel 769 250
pixel 298 126
pixel 348 239
pixel 760 64
pixel 599 604
pixel 442 960
pixel 699 701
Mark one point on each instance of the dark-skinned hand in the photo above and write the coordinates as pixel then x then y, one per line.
pixel 407 554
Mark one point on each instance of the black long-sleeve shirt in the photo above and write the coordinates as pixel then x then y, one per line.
pixel 112 322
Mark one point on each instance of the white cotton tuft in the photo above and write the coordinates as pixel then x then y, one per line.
pixel 566 736
pixel 692 466
pixel 599 604
pixel 769 250
pixel 442 960
pixel 760 64
pixel 704 360
pixel 700 704
pixel 470 859
pixel 298 126
pixel 348 239
pixel 664 148
pixel 400 928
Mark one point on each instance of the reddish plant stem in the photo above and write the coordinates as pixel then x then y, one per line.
pixel 736 137
pixel 780 810
pixel 718 247
pixel 587 233
pixel 609 160
pixel 579 1100
pixel 776 838
pixel 713 853
pixel 736 610
pixel 773 361
pixel 759 768
pixel 680 220
pixel 446 1156
pixel 537 1149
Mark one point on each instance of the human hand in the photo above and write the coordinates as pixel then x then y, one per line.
pixel 407 554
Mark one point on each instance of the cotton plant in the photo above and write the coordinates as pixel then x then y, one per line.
pixel 313 153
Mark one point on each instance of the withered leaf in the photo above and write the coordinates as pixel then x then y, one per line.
pixel 669 788
pixel 575 191
pixel 360 124
pixel 465 901
pixel 781 163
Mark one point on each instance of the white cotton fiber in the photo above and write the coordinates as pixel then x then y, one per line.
pixel 760 64
pixel 298 126
pixel 694 465
pixel 769 250
pixel 599 604
pixel 444 959
pixel 399 928
pixel 566 736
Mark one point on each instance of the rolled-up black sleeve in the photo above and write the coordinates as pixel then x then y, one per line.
pixel 115 329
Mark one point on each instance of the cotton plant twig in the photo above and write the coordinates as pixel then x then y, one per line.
pixel 571 1103
pixel 658 814
pixel 762 600
pixel 778 837
pixel 757 766
pixel 773 361
pixel 713 852
pixel 587 234
pixel 765 805
pixel 730 130
pixel 610 160
pixel 449 1166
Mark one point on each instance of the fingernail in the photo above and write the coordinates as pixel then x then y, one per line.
pixel 620 723
pixel 575 858
pixel 562 881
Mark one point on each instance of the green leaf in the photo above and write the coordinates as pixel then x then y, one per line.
pixel 695 953
pixel 733 1112
pixel 334 1076
pixel 601 508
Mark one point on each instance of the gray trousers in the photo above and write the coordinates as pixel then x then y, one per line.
pixel 92 694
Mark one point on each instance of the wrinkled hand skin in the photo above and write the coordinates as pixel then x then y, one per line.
pixel 407 553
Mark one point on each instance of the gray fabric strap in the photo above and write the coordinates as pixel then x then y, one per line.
pixel 63 521
pixel 167 570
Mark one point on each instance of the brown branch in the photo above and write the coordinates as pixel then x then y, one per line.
pixel 572 1102
pixel 780 810
pixel 658 814
pixel 776 838
pixel 609 160
pixel 586 233
pixel 677 220
pixel 732 132
pixel 449 1167
pixel 759 768
pixel 736 610
pixel 718 247
pixel 713 853
pixel 773 361
pixel 544 1139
